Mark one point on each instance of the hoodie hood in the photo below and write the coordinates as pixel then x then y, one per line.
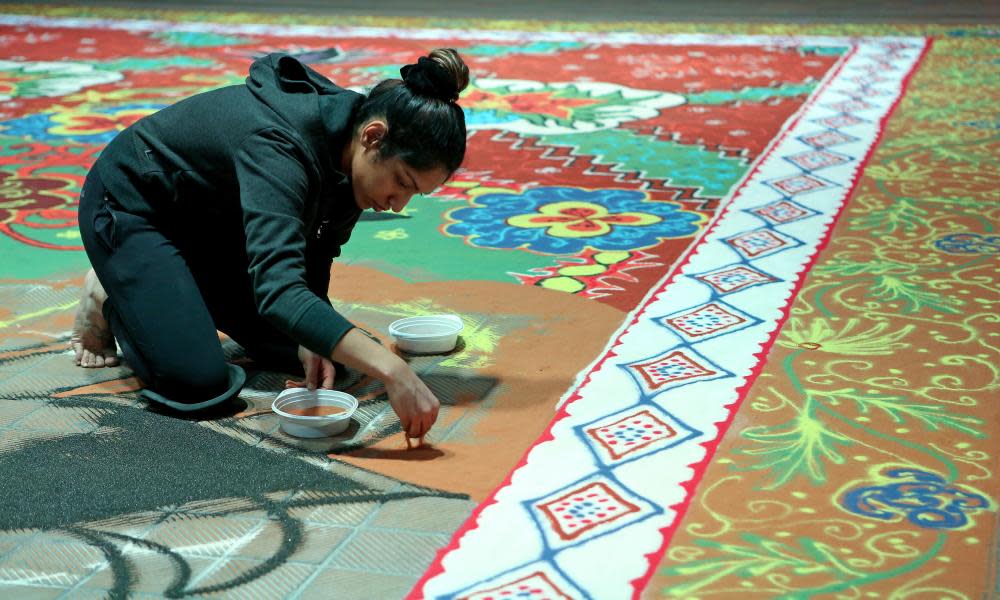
pixel 321 111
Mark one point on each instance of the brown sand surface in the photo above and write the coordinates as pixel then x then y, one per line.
pixel 548 337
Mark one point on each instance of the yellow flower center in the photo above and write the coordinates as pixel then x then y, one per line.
pixel 580 219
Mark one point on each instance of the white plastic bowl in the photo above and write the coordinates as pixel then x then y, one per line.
pixel 431 334
pixel 296 400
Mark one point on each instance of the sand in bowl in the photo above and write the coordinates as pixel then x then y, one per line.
pixel 315 411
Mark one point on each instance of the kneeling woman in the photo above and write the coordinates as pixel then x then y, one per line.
pixel 224 211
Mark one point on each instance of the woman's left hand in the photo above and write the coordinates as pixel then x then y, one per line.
pixel 319 371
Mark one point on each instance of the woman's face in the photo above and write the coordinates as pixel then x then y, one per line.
pixel 386 184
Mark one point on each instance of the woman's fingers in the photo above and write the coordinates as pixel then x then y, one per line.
pixel 414 403
pixel 417 425
pixel 421 425
pixel 312 374
pixel 329 373
pixel 433 416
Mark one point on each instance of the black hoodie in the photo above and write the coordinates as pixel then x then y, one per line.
pixel 261 161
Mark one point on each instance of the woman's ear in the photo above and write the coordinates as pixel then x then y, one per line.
pixel 372 134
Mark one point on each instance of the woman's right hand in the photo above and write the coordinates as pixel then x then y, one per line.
pixel 415 404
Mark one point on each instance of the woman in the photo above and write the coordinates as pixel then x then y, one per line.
pixel 224 211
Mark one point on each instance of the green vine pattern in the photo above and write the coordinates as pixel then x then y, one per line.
pixel 884 373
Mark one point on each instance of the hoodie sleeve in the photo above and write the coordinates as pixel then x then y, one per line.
pixel 274 183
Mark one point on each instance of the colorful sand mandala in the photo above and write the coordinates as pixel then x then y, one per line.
pixel 727 331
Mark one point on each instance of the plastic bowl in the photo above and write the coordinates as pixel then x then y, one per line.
pixel 300 412
pixel 431 334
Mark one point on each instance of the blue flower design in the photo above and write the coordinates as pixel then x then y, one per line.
pixel 46 127
pixel 969 243
pixel 492 222
pixel 924 498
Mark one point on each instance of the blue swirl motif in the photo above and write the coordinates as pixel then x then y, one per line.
pixel 969 243
pixel 485 223
pixel 975 33
pixel 925 499
pixel 40 126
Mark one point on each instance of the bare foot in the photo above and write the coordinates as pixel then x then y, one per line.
pixel 92 340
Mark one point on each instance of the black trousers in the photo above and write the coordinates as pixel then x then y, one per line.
pixel 171 285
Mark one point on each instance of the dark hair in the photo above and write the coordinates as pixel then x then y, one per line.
pixel 426 125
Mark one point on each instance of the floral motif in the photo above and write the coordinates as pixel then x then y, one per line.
pixel 83 123
pixel 541 108
pixel 563 220
pixel 969 243
pixel 25 197
pixel 541 102
pixel 73 123
pixel 925 499
pixel 580 219
pixel 820 335
pixel 27 79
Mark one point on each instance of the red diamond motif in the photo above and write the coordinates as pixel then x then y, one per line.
pixel 756 243
pixel 840 121
pixel 705 320
pixel 851 106
pixel 671 368
pixel 798 184
pixel 817 159
pixel 826 139
pixel 781 212
pixel 735 278
pixel 536 586
pixel 872 91
pixel 631 433
pixel 583 509
pixel 866 80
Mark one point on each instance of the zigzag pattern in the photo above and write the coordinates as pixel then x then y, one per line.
pixel 663 134
pixel 659 189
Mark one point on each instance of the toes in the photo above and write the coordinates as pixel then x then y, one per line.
pixel 95 360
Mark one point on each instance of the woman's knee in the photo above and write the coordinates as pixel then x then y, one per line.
pixel 193 382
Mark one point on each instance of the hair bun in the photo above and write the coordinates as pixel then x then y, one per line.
pixel 442 74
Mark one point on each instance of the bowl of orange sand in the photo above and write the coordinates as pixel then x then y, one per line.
pixel 429 334
pixel 314 414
